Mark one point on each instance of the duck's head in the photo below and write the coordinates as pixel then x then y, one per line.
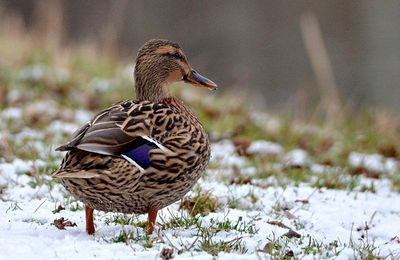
pixel 160 63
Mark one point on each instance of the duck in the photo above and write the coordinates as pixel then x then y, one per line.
pixel 143 154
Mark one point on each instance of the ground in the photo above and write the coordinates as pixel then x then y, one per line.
pixel 276 187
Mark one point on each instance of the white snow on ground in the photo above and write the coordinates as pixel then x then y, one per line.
pixel 11 113
pixel 264 148
pixel 296 158
pixel 62 127
pixel 320 215
pixel 224 153
pixel 374 162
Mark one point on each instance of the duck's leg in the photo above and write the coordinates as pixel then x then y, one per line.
pixel 151 220
pixel 89 220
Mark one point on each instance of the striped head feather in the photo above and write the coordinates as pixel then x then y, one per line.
pixel 160 63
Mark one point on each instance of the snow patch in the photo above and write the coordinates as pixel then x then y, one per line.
pixel 264 148
pixel 34 72
pixel 224 153
pixel 373 162
pixel 11 113
pixel 296 158
pixel 62 127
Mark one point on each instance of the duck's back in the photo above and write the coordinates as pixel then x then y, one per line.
pixel 135 155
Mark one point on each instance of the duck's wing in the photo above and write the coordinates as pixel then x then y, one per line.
pixel 124 130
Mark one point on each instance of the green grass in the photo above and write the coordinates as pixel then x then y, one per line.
pixel 180 222
pixel 280 248
pixel 239 225
pixel 73 204
pixel 205 233
pixel 207 244
pixel 123 219
pixel 131 236
pixel 201 203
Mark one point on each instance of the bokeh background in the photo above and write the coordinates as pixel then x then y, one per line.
pixel 279 54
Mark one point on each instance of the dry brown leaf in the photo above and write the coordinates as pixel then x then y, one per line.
pixel 167 253
pixel 289 253
pixel 305 201
pixel 267 248
pixel 277 223
pixel 58 209
pixel 366 172
pixel 61 223
pixel 389 150
pixel 241 180
pixel 241 144
pixel 291 234
pixel 288 214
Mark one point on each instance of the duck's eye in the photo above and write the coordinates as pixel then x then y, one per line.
pixel 177 56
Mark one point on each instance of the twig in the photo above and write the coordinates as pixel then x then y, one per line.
pixel 40 205
pixel 322 67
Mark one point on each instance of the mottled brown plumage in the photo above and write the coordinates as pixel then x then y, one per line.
pixel 98 168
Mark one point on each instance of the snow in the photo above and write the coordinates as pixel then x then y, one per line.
pixel 11 113
pixel 374 162
pixel 296 158
pixel 330 215
pixel 100 85
pixel 264 148
pixel 127 71
pixel 223 152
pixel 325 215
pixel 82 116
pixel 62 127
pixel 13 170
pixel 28 133
pixel 33 72
pixel 43 107
pixel 266 121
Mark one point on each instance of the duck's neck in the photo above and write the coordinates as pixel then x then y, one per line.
pixel 151 88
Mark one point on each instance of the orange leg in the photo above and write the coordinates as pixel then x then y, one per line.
pixel 151 221
pixel 89 220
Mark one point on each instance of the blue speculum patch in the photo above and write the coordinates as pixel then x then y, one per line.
pixel 141 155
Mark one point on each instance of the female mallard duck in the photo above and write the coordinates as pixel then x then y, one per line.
pixel 141 155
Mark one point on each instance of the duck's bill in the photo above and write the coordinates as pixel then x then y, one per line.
pixel 196 79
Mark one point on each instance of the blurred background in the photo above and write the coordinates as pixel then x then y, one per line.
pixel 278 54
